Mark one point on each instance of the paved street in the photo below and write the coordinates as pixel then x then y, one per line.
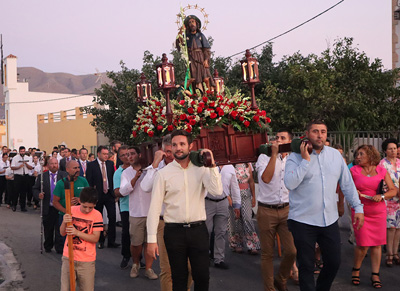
pixel 21 232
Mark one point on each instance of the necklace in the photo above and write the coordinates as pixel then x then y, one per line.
pixel 369 172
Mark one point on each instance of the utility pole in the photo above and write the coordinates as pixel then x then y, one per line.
pixel 1 49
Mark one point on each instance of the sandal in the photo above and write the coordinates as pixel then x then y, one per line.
pixel 389 261
pixel 376 284
pixel 318 266
pixel 355 280
pixel 396 259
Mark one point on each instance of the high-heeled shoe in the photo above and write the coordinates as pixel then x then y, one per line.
pixel 396 259
pixel 389 261
pixel 376 284
pixel 355 280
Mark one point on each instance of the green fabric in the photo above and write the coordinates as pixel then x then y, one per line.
pixel 59 190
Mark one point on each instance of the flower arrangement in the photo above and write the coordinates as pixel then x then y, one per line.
pixel 192 113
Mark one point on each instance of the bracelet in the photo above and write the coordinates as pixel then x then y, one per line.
pixel 383 196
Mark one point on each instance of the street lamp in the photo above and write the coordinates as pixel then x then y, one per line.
pixel 143 89
pixel 219 83
pixel 250 75
pixel 166 82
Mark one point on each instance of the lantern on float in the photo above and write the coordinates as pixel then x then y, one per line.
pixel 143 89
pixel 166 82
pixel 219 83
pixel 250 75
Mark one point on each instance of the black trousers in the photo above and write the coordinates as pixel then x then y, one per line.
pixel 125 237
pixel 21 186
pixel 305 236
pixel 29 195
pixel 3 186
pixel 60 241
pixel 107 201
pixel 52 230
pixel 183 243
pixel 10 191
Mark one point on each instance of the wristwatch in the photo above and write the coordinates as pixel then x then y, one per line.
pixel 383 197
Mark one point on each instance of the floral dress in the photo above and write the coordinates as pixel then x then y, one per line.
pixel 242 231
pixel 393 204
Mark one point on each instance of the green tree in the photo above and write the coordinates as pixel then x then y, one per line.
pixel 341 84
pixel 116 105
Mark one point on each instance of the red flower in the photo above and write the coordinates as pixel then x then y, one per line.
pixel 201 104
pixel 246 123
pixel 182 117
pixel 220 111
pixel 170 128
pixel 160 127
pixel 182 102
pixel 192 122
pixel 134 133
pixel 263 113
pixel 190 110
pixel 234 114
pixel 241 118
pixel 256 118
pixel 189 129
pixel 158 103
pixel 213 115
pixel 205 99
pixel 150 133
pixel 212 104
pixel 199 109
pixel 193 102
pixel 146 129
pixel 268 119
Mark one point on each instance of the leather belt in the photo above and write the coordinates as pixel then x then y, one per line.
pixel 216 200
pixel 186 225
pixel 276 206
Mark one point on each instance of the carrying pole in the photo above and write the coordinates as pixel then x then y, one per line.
pixel 69 193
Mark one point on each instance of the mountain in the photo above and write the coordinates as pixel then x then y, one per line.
pixel 40 81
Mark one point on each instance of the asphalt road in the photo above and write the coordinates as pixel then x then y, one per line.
pixel 21 232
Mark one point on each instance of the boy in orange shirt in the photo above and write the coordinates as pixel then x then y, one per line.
pixel 87 225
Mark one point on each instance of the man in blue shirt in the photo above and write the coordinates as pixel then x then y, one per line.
pixel 312 180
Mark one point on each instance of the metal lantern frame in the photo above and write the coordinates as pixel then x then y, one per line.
pixel 219 83
pixel 143 89
pixel 166 82
pixel 250 75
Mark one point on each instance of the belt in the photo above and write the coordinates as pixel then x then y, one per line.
pixel 188 225
pixel 161 217
pixel 276 206
pixel 216 200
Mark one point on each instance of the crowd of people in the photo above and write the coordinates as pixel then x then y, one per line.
pixel 186 215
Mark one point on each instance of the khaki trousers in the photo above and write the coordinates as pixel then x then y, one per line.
pixel 272 221
pixel 165 275
pixel 84 274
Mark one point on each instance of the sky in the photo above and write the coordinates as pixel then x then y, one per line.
pixel 78 36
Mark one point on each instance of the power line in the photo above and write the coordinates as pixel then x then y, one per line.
pixel 286 32
pixel 48 100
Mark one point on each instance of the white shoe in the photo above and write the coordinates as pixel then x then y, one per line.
pixel 150 274
pixel 134 271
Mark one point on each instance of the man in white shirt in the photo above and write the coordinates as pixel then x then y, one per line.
pixel 272 213
pixel 21 164
pixel 32 178
pixel 4 164
pixel 218 213
pixel 139 203
pixel 181 187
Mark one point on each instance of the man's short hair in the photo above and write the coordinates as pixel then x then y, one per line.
pixel 74 151
pixel 68 150
pixel 21 148
pixel 91 155
pixel 387 142
pixel 184 133
pixel 83 149
pixel 316 121
pixel 5 155
pixel 166 141
pixel 123 147
pixel 286 130
pixel 137 149
pixel 338 146
pixel 100 148
pixel 114 142
pixel 88 195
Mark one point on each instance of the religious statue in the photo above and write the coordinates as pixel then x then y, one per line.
pixel 198 52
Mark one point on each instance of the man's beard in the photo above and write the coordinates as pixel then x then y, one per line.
pixel 181 157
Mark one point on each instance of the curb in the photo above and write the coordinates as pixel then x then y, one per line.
pixel 10 270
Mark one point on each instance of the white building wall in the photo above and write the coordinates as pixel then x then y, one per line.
pixel 22 108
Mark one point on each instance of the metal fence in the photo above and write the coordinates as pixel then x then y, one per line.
pixel 351 140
